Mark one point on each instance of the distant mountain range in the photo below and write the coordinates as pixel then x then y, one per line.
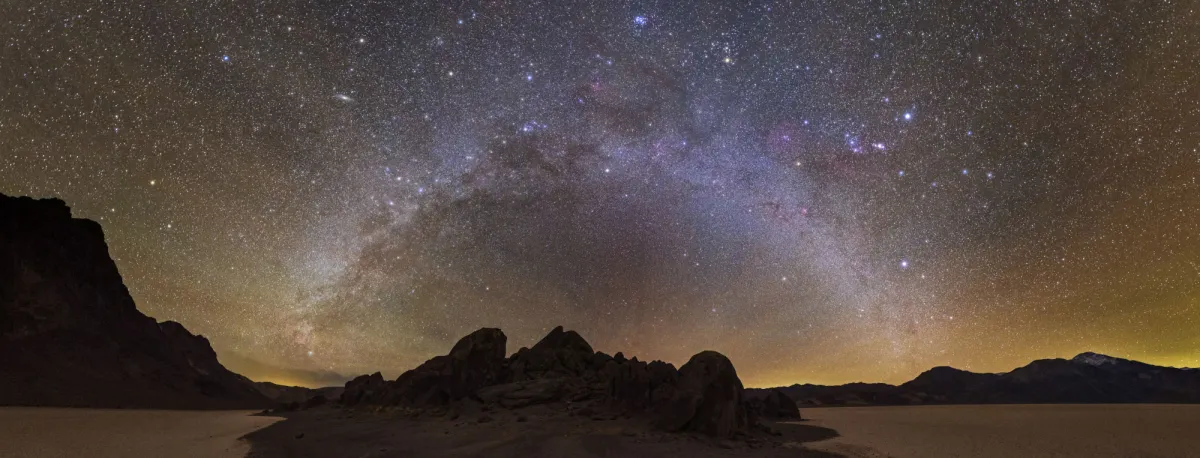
pixel 1086 378
pixel 283 394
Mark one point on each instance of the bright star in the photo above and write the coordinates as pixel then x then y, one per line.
pixel 907 116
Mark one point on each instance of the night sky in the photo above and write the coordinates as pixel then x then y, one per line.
pixel 823 191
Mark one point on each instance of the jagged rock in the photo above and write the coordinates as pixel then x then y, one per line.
pixel 71 335
pixel 364 389
pixel 771 404
pixel 476 361
pixel 703 396
pixel 708 399
pixel 559 354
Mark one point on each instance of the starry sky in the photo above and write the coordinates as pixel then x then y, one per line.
pixel 824 191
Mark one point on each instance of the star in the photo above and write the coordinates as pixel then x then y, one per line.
pixel 362 194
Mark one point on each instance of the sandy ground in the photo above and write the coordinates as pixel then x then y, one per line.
pixel 57 432
pixel 1011 430
pixel 531 432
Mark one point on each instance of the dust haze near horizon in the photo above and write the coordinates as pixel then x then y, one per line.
pixel 825 192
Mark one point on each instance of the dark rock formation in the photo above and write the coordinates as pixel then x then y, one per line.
pixel 1086 378
pixel 527 392
pixel 708 398
pixel 703 396
pixel 364 388
pixel 70 334
pixel 559 354
pixel 771 404
pixel 476 361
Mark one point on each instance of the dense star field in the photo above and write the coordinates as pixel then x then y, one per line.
pixel 823 191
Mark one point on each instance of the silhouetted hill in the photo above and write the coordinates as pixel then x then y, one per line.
pixel 70 334
pixel 284 394
pixel 1086 378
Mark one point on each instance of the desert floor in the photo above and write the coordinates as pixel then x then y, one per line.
pixel 531 432
pixel 58 432
pixel 901 432
pixel 984 431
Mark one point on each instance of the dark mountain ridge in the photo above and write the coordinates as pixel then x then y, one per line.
pixel 70 334
pixel 1086 378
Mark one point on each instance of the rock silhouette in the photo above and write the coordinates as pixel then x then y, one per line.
pixel 70 334
pixel 704 396
pixel 708 398
pixel 364 389
pixel 476 361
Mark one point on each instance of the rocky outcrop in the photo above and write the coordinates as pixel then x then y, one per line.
pixel 476 361
pixel 364 389
pixel 708 398
pixel 704 395
pixel 70 334
pixel 559 354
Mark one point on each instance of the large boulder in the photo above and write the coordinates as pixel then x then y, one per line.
pixel 708 398
pixel 476 361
